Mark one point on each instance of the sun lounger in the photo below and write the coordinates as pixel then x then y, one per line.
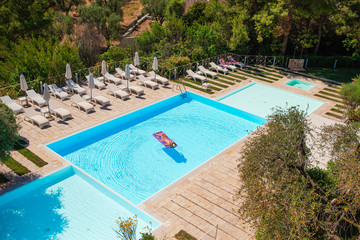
pixel 58 92
pixel 118 92
pixel 233 62
pixel 16 108
pixel 148 83
pixel 81 103
pixel 225 65
pixel 159 79
pixel 121 73
pixel 35 118
pixel 207 72
pixel 195 76
pixel 218 69
pixel 36 98
pixel 198 77
pixel 97 83
pixel 75 88
pixel 59 111
pixel 136 71
pixel 111 78
pixel 135 89
pixel 100 99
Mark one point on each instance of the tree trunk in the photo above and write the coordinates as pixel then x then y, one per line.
pixel 284 43
pixel 316 49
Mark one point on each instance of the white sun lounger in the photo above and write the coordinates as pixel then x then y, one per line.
pixel 118 92
pixel 207 72
pixel 98 84
pixel 136 71
pixel 121 73
pixel 148 83
pixel 36 98
pixel 195 76
pixel 58 92
pixel 100 99
pixel 135 89
pixel 35 118
pixel 81 103
pixel 218 68
pixel 16 108
pixel 111 78
pixel 159 79
pixel 75 88
pixel 59 111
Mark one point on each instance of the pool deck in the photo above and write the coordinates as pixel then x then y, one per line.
pixel 197 202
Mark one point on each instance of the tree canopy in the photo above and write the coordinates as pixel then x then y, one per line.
pixel 8 130
pixel 285 196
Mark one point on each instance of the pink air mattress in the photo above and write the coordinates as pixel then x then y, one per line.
pixel 160 139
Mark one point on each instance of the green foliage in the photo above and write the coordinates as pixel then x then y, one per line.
pixel 176 8
pixel 350 94
pixel 156 9
pixel 105 16
pixel 66 5
pixel 116 54
pixel 37 58
pixel 284 197
pixel 195 13
pixel 147 236
pixel 19 18
pixel 63 24
pixel 8 130
pixel 3 179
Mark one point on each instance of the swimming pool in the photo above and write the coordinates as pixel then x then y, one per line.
pixel 65 205
pixel 260 99
pixel 123 154
pixel 300 84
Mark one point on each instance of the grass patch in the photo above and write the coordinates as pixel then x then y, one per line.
pixel 270 70
pixel 198 83
pixel 259 74
pixel 331 90
pixel 337 110
pixel 192 86
pixel 330 94
pixel 32 157
pixel 333 115
pixel 234 76
pixel 222 80
pixel 217 84
pixel 15 166
pixel 263 72
pixel 340 106
pixel 182 235
pixel 3 179
pixel 328 98
pixel 256 78
pixel 343 75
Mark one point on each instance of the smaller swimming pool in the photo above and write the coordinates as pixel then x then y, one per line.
pixel 300 84
pixel 66 205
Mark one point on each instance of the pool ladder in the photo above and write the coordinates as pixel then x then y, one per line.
pixel 181 87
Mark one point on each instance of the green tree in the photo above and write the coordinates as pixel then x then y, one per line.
pixel 20 18
pixel 176 8
pixel 350 94
pixel 156 9
pixel 347 19
pixel 284 196
pixel 37 58
pixel 105 17
pixel 66 5
pixel 8 130
pixel 195 13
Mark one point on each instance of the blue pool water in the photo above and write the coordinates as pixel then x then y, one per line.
pixel 65 205
pixel 300 84
pixel 124 155
pixel 260 99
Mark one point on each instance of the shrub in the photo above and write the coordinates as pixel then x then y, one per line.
pixel 8 130
pixel 350 94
